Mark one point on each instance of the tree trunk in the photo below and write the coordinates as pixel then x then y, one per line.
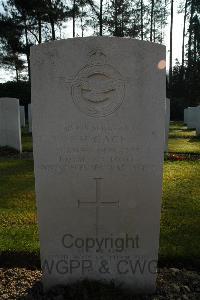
pixel 183 43
pixel 17 74
pixel 141 19
pixel 195 48
pixel 101 18
pixel 190 36
pixel 161 29
pixel 39 30
pixel 74 16
pixel 53 34
pixel 27 50
pixel 115 19
pixel 171 44
pixel 82 26
pixel 122 26
pixel 152 15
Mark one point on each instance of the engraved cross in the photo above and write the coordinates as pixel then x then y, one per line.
pixel 98 202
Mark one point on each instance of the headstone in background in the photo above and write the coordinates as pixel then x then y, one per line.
pixel 191 117
pixel 186 115
pixel 29 118
pixel 98 139
pixel 197 119
pixel 167 122
pixel 10 128
pixel 22 116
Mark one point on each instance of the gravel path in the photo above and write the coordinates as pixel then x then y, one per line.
pixel 20 283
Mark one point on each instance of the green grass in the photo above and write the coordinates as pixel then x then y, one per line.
pixel 178 145
pixel 180 130
pixel 180 222
pixel 183 140
pixel 18 231
pixel 27 143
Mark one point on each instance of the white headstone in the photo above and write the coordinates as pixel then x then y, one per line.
pixel 98 139
pixel 197 120
pixel 198 124
pixel 186 116
pixel 10 129
pixel 191 117
pixel 167 122
pixel 22 116
pixel 29 118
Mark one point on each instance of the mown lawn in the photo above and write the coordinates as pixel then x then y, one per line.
pixel 183 140
pixel 180 130
pixel 180 219
pixel 27 144
pixel 180 223
pixel 184 145
pixel 18 231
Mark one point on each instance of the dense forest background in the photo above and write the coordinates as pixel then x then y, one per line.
pixel 24 23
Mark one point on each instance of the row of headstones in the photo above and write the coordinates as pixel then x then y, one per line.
pixel 192 118
pixel 12 118
pixel 11 110
pixel 23 119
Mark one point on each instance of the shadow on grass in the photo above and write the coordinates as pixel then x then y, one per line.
pixel 194 139
pixel 27 134
pixel 32 261
pixel 187 129
pixel 8 151
pixel 20 260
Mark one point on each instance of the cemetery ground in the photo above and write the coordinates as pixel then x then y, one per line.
pixel 179 254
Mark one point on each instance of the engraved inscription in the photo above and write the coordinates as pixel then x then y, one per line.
pixel 98 89
pixel 97 203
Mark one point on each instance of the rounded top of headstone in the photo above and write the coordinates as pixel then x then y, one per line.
pixel 88 39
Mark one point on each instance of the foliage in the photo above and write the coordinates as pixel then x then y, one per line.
pixel 25 23
pixel 11 44
pixel 20 90
pixel 186 76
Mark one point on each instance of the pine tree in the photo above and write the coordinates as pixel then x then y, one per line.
pixel 122 19
pixel 11 45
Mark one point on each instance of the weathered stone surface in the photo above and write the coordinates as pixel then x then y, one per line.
pixel 191 122
pixel 10 128
pixel 98 128
pixel 186 115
